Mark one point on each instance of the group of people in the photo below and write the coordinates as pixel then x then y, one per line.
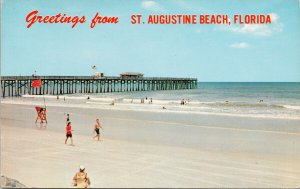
pixel 184 102
pixel 69 130
pixel 81 180
pixel 143 100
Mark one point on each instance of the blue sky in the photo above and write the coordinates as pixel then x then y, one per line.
pixel 208 52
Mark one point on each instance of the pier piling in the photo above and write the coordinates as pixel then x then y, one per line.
pixel 58 85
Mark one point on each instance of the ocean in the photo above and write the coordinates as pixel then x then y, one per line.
pixel 253 99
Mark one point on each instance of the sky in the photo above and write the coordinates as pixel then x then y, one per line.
pixel 210 53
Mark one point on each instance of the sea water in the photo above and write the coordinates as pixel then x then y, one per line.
pixel 260 99
pixel 254 99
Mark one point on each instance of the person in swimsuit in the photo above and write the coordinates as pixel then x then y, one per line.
pixel 97 129
pixel 69 133
pixel 81 180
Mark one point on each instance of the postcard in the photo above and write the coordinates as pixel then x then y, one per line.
pixel 150 94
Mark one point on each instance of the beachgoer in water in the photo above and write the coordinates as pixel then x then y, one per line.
pixel 164 108
pixel 113 103
pixel 182 102
pixel 69 133
pixel 97 129
pixel 81 180
pixel 150 100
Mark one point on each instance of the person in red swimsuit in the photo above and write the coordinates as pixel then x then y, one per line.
pixel 69 133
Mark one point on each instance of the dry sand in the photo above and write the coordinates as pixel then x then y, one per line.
pixel 148 150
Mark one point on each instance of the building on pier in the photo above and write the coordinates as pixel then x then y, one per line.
pixel 98 75
pixel 131 75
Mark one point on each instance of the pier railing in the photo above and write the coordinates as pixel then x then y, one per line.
pixel 58 85
pixel 88 77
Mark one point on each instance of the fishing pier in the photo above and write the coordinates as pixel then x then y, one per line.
pixel 59 85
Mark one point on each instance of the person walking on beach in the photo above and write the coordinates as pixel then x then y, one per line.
pixel 81 180
pixel 69 133
pixel 97 129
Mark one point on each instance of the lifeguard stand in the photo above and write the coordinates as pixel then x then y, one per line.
pixel 41 114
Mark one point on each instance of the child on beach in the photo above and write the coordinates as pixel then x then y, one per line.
pixel 81 180
pixel 69 133
pixel 97 129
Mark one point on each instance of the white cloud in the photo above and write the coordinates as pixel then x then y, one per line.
pixel 254 29
pixel 258 29
pixel 274 17
pixel 153 6
pixel 241 45
pixel 149 4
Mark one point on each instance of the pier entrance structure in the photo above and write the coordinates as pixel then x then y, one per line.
pixel 59 85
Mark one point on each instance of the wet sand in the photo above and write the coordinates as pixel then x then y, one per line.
pixel 146 149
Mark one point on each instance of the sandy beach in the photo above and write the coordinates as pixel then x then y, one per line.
pixel 149 149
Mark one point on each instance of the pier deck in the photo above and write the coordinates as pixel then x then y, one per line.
pixel 59 85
